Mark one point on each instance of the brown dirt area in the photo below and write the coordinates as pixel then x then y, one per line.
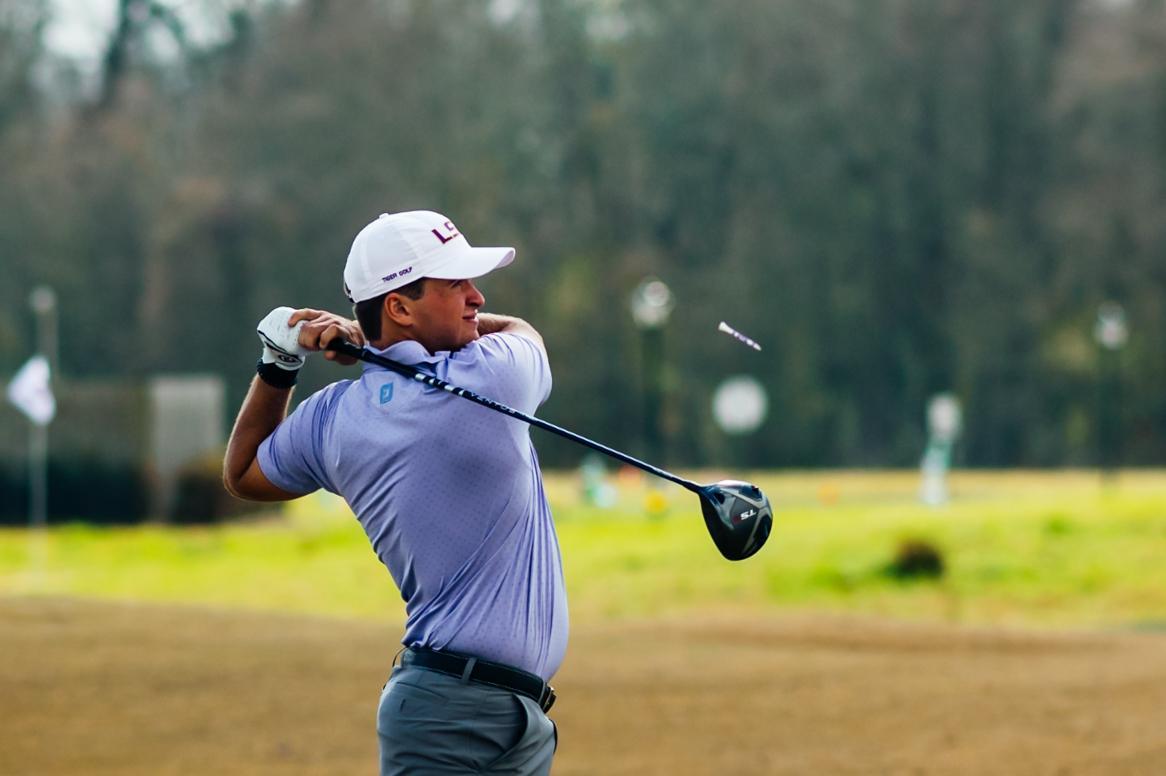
pixel 102 688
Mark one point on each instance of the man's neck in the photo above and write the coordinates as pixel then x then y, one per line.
pixel 388 340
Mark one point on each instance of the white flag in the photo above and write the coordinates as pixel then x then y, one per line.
pixel 31 393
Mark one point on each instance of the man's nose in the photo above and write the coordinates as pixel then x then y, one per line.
pixel 475 298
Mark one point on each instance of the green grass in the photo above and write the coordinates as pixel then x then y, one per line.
pixel 1055 549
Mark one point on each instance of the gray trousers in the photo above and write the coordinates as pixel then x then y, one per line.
pixel 432 723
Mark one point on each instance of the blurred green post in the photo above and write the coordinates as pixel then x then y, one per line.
pixel 1111 333
pixel 652 303
pixel 944 418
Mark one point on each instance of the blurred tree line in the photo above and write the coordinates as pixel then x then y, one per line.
pixel 895 197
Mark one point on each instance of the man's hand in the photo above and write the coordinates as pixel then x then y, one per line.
pixel 316 328
pixel 289 335
pixel 280 338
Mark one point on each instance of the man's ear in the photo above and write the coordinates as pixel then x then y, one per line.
pixel 399 309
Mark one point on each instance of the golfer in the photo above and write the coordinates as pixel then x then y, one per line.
pixel 450 495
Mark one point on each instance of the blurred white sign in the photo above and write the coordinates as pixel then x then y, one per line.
pixel 188 413
pixel 31 393
pixel 739 405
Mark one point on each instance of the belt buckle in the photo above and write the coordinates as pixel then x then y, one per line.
pixel 548 698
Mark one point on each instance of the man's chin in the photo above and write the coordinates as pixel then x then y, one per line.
pixel 469 337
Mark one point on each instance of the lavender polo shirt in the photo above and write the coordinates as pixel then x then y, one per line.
pixel 449 493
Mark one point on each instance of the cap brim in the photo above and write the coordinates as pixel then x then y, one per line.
pixel 472 263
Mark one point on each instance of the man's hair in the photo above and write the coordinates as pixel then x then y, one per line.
pixel 368 312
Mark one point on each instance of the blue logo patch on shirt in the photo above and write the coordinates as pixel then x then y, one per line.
pixel 386 393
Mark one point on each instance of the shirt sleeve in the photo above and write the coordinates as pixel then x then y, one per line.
pixel 292 456
pixel 520 372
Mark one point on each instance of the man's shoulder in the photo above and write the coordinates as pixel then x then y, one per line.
pixel 504 345
pixel 516 367
pixel 327 398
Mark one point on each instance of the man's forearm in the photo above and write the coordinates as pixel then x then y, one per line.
pixel 492 323
pixel 489 323
pixel 264 408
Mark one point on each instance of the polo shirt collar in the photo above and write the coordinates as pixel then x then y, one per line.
pixel 405 352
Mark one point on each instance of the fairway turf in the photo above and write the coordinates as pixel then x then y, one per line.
pixel 1046 549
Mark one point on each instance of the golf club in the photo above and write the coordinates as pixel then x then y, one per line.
pixel 737 514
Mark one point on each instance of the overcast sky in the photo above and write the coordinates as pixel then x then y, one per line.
pixel 80 28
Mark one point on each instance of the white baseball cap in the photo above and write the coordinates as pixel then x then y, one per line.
pixel 398 248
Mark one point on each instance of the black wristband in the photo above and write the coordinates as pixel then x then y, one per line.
pixel 275 376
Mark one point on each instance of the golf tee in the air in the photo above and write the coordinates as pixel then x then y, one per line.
pixel 727 329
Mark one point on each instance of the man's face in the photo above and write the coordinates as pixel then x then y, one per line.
pixel 446 315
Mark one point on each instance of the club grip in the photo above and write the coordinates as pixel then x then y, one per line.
pixel 345 348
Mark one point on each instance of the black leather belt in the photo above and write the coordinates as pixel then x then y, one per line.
pixel 474 669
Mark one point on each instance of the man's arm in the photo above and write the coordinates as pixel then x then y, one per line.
pixel 489 323
pixel 266 404
pixel 263 410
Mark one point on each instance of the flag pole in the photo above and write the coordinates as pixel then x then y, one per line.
pixel 38 476
pixel 38 465
pixel 43 301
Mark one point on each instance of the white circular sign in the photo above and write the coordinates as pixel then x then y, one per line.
pixel 740 404
pixel 652 303
pixel 1111 330
pixel 42 299
pixel 944 416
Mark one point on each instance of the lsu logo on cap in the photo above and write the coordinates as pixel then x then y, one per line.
pixel 386 393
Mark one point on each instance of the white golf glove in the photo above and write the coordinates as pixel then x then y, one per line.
pixel 281 343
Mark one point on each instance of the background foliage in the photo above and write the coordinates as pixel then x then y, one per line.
pixel 895 197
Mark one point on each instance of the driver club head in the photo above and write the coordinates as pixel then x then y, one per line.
pixel 738 517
